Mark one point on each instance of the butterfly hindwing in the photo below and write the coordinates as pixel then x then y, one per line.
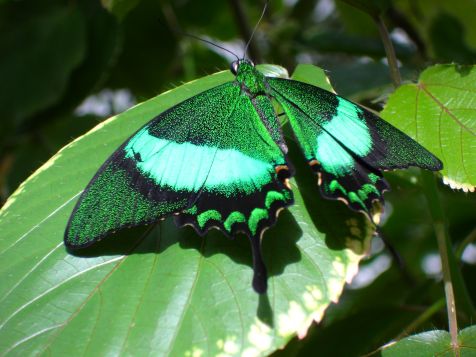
pixel 254 170
pixel 345 144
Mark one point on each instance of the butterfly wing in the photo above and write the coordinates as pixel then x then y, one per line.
pixel 209 160
pixel 345 144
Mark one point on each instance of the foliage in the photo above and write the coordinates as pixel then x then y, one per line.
pixel 439 112
pixel 149 258
pixel 434 343
pixel 142 291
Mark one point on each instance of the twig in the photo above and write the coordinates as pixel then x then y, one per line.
pixel 444 246
pixel 389 50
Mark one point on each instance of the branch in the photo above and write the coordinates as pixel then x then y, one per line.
pixel 389 50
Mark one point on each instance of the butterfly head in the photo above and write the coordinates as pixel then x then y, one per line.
pixel 248 77
pixel 240 65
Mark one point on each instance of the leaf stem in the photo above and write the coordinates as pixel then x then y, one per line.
pixel 444 247
pixel 450 298
pixel 389 50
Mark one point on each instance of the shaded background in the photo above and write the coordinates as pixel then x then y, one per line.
pixel 67 65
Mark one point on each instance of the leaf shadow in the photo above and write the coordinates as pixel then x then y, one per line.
pixel 128 241
pixel 280 239
pixel 279 248
pixel 342 227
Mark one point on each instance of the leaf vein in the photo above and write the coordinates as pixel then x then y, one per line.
pixel 42 221
pixel 28 338
pixel 240 313
pixel 53 288
pixel 141 299
pixel 446 109
pixel 192 289
pixel 30 271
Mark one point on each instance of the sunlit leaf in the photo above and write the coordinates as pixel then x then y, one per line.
pixel 162 290
pixel 440 113
pixel 433 343
pixel 308 73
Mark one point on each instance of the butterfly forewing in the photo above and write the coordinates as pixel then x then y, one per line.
pixel 211 160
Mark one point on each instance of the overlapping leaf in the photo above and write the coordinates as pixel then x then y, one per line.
pixel 161 290
pixel 433 343
pixel 425 14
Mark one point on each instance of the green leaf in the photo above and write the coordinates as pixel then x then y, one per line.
pixel 440 113
pixel 424 13
pixel 120 8
pixel 313 75
pixel 37 74
pixel 447 36
pixel 433 343
pixel 162 290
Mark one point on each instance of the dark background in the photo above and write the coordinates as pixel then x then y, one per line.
pixel 67 65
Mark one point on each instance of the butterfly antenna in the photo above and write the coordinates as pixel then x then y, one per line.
pixel 211 43
pixel 256 27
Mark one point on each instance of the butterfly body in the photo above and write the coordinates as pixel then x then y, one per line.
pixel 219 160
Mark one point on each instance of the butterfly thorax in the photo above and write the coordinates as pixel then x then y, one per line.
pixel 249 78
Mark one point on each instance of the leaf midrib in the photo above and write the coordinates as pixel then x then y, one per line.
pixel 444 108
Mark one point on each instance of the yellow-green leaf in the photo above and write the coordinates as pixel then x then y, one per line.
pixel 439 111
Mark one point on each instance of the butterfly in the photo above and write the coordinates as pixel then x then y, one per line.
pixel 219 160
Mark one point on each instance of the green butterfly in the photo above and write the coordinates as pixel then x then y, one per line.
pixel 219 159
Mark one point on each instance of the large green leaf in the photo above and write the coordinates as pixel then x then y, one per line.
pixel 440 113
pixel 433 343
pixel 162 290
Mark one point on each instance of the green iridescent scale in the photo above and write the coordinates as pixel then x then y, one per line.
pixel 218 160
